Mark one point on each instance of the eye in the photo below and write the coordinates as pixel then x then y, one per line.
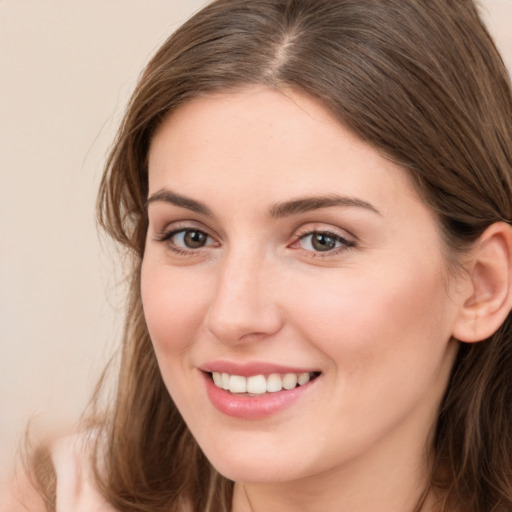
pixel 323 242
pixel 187 239
pixel 190 238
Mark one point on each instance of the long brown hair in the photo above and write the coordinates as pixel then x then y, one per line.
pixel 419 80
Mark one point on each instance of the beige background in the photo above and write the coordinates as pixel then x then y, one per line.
pixel 66 70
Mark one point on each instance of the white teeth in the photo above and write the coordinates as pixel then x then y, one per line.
pixel 237 384
pixel 274 383
pixel 217 378
pixel 259 384
pixel 303 379
pixel 256 384
pixel 290 381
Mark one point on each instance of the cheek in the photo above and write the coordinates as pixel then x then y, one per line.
pixel 381 319
pixel 388 348
pixel 174 306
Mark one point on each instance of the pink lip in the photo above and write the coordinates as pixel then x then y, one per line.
pixel 258 406
pixel 248 369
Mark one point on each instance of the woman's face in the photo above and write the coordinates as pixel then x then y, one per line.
pixel 283 252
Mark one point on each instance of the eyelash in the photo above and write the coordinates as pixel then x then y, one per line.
pixel 344 243
pixel 167 237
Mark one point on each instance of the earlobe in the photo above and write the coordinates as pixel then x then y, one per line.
pixel 489 302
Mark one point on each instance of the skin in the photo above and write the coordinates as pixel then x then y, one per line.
pixel 375 316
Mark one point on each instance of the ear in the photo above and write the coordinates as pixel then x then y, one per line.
pixel 488 299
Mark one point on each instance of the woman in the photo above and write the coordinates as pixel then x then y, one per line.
pixel 317 197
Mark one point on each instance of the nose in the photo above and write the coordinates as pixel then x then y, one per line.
pixel 243 306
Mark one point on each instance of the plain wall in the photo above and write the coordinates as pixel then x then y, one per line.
pixel 67 68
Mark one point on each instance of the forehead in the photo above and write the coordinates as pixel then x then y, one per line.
pixel 264 143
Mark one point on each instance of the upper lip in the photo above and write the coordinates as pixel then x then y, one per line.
pixel 251 368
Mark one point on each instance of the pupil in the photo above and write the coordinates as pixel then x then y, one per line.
pixel 195 239
pixel 323 242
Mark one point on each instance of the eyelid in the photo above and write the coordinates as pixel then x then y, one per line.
pixel 166 236
pixel 180 225
pixel 170 230
pixel 348 241
pixel 316 227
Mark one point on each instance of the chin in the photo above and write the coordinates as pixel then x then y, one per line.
pixel 257 463
pixel 256 472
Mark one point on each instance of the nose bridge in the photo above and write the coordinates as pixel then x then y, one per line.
pixel 243 306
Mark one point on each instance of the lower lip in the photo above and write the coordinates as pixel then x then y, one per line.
pixel 253 407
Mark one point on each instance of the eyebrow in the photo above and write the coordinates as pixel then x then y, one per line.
pixel 307 204
pixel 276 211
pixel 167 196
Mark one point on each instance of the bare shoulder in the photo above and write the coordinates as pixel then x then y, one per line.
pixel 74 486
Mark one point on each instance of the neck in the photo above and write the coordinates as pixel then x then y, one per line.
pixel 332 498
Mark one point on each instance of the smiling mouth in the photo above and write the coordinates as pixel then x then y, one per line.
pixel 261 384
